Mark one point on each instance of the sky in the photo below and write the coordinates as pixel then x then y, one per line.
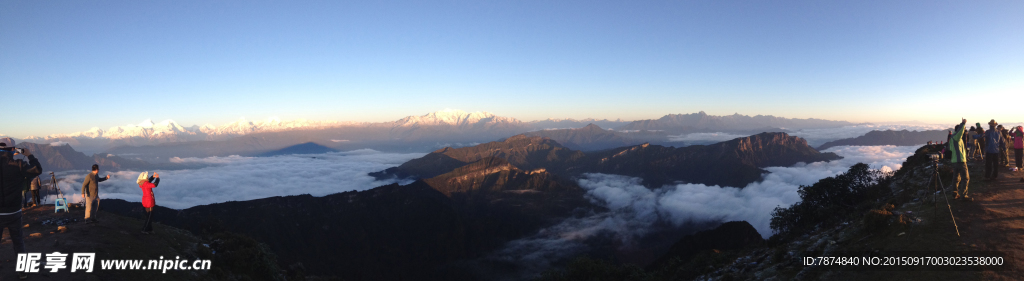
pixel 83 64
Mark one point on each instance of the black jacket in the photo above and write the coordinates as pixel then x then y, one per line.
pixel 12 179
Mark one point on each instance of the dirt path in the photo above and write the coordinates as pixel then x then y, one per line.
pixel 994 221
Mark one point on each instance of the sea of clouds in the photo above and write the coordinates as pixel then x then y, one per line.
pixel 814 137
pixel 236 178
pixel 636 211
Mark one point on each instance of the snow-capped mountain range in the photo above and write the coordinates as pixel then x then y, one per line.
pixel 168 130
pixel 452 117
pixel 428 130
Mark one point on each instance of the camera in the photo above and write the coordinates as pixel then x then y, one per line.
pixel 12 149
pixel 935 156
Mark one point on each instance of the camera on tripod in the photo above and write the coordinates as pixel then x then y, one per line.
pixel 935 156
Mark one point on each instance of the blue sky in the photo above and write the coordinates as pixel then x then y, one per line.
pixel 82 64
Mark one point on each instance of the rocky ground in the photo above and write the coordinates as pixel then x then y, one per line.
pixel 113 237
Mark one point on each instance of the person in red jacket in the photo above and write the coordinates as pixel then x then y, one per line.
pixel 147 183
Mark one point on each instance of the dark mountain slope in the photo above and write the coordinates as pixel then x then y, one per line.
pixel 524 152
pixel 587 138
pixel 387 233
pixel 58 158
pixel 890 137
pixel 732 235
pixel 493 174
pixel 491 189
pixel 63 157
pixel 735 163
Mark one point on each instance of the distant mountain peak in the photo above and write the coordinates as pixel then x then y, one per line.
pixel 701 121
pixel 454 117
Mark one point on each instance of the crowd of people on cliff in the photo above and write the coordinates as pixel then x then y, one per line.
pixel 20 185
pixel 992 147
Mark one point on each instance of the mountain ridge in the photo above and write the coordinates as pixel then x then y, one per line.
pixel 588 138
pixel 891 137
pixel 63 157
pixel 701 121
pixel 736 162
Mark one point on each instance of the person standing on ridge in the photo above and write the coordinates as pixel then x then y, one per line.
pixel 946 152
pixel 993 140
pixel 959 160
pixel 1018 145
pixel 34 188
pixel 967 140
pixel 972 141
pixel 981 141
pixel 147 184
pixel 91 191
pixel 1004 149
pixel 26 185
pixel 12 175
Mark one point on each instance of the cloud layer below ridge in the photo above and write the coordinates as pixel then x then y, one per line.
pixel 236 178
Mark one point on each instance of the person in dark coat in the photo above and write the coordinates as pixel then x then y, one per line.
pixel 948 154
pixel 981 142
pixel 972 144
pixel 25 193
pixel 1004 149
pixel 147 184
pixel 993 141
pixel 91 191
pixel 12 174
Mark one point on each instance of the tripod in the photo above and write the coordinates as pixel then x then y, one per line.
pixel 59 203
pixel 936 182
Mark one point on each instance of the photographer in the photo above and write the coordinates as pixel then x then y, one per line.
pixel 959 160
pixel 147 184
pixel 12 176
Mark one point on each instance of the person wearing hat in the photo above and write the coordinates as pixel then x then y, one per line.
pixel 13 173
pixel 993 140
pixel 147 183
pixel 91 191
pixel 959 160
